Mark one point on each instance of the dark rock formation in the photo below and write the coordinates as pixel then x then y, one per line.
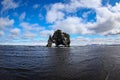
pixel 59 38
pixel 49 41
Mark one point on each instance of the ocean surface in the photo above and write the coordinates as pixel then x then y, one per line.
pixel 74 63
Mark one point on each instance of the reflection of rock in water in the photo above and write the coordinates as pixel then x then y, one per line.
pixel 59 38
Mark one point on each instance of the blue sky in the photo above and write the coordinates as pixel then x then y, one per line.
pixel 30 22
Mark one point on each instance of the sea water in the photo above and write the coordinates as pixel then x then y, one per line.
pixel 73 63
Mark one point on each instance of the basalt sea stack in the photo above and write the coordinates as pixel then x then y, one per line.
pixel 59 38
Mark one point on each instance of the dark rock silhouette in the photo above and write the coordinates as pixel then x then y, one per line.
pixel 49 41
pixel 59 38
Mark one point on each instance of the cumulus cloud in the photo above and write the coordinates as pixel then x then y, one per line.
pixel 105 26
pixel 14 33
pixel 22 16
pixel 107 20
pixel 31 31
pixel 8 4
pixel 46 33
pixel 52 16
pixel 29 35
pixel 31 27
pixel 6 22
pixel 58 15
pixel 107 17
pixel 73 25
pixel 74 5
pixel 115 8
pixel 54 13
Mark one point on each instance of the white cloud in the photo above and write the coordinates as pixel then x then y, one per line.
pixel 8 4
pixel 89 41
pixel 6 22
pixel 31 31
pixel 90 3
pixel 73 6
pixel 29 35
pixel 26 42
pixel 107 17
pixel 80 41
pixel 115 8
pixel 14 33
pixel 107 20
pixel 22 16
pixel 73 25
pixel 31 27
pixel 54 14
pixel 76 4
pixel 46 33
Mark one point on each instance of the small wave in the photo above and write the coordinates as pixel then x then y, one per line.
pixel 15 69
